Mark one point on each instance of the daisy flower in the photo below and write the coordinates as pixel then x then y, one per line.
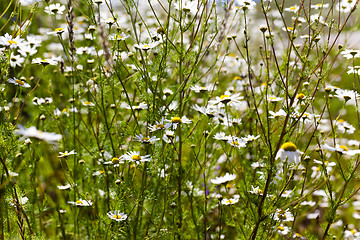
pixel 229 201
pixel 169 137
pixel 320 6
pixel 283 230
pixel 33 132
pixel 157 126
pixel 222 136
pixel 293 9
pixel 135 157
pixel 354 70
pixel 44 62
pixel 237 142
pixel 226 98
pixel 283 216
pixel 347 95
pixel 16 60
pixel 187 6
pixel 139 107
pixel 272 98
pixel 201 89
pixel 342 149
pixel 22 201
pixel 226 178
pixel 88 104
pixel 343 126
pixel 250 138
pixel 81 203
pixel 210 110
pixel 175 121
pixel 18 82
pixel 146 46
pixel 118 37
pixel 244 4
pixel 27 50
pixel 66 153
pixel 289 151
pixel 64 187
pixel 146 140
pixel 280 113
pixel 8 40
pixel 351 53
pixel 256 191
pixel 317 169
pixel 117 215
pixel 54 9
pixel 57 31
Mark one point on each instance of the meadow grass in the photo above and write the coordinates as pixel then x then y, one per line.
pixel 179 119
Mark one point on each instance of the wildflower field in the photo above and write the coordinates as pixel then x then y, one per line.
pixel 179 119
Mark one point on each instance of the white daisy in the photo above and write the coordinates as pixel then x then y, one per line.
pixel 175 121
pixel 135 157
pixel 289 151
pixel 229 201
pixel 226 178
pixel 33 132
pixel 283 216
pixel 18 82
pixel 66 153
pixel 16 60
pixel 341 149
pixel 117 215
pixel 81 203
pixel 54 9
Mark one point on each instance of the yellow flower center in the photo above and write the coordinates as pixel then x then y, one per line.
pixel 290 28
pixel 115 160
pixel 145 139
pixel 281 228
pixel 237 78
pixel 317 169
pixel 136 157
pixel 289 146
pixel 59 29
pixel 146 46
pixel 176 120
pixel 87 103
pixel 64 110
pixel 12 42
pixel 229 201
pixel 293 8
pixel 160 126
pixel 343 147
pixel 281 216
pixel 224 96
pixel 117 216
pixel 19 82
pixel 341 120
pixel 235 143
pixel 353 231
pixel 300 96
pixel 79 202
